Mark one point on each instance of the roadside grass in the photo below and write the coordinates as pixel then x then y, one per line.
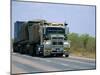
pixel 83 53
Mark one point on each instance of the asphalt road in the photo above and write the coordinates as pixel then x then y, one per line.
pixel 26 64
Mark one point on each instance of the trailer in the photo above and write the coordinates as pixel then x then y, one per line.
pixel 42 38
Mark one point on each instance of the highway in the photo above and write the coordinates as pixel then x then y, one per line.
pixel 21 63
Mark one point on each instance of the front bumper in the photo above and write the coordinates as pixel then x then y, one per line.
pixel 55 51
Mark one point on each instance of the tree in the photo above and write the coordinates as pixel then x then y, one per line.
pixel 84 38
pixel 82 44
pixel 74 38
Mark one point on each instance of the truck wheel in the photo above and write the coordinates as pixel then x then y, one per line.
pixel 14 50
pixel 31 53
pixel 38 54
pixel 67 55
pixel 21 50
pixel 43 55
pixel 60 55
pixel 27 52
pixel 27 47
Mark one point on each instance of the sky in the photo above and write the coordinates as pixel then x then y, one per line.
pixel 80 19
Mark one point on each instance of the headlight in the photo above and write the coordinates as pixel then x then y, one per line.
pixel 48 43
pixel 39 49
pixel 67 44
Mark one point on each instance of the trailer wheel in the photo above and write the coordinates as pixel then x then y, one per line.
pixel 14 49
pixel 27 51
pixel 21 50
pixel 27 47
pixel 31 52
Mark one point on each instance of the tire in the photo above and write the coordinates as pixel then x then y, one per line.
pixel 42 55
pixel 14 50
pixel 61 55
pixel 21 50
pixel 27 52
pixel 67 55
pixel 31 53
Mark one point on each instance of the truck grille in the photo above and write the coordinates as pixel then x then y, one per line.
pixel 57 43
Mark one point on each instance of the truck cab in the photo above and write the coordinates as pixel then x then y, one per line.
pixel 54 42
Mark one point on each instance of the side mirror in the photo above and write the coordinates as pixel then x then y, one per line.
pixel 45 37
pixel 67 30
pixel 44 30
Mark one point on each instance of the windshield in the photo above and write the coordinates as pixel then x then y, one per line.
pixel 55 30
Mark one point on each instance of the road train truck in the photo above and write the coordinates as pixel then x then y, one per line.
pixel 41 38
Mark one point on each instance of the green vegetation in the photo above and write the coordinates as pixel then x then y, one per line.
pixel 82 45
